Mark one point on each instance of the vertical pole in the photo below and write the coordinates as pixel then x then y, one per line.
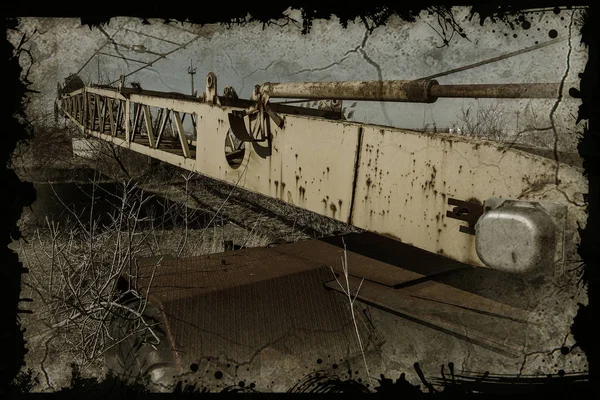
pixel 127 121
pixel 111 117
pixel 85 110
pixel 181 134
pixel 148 119
pixel 192 71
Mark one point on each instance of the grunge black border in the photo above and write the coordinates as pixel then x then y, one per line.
pixel 19 194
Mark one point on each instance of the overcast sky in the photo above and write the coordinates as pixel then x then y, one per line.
pixel 243 56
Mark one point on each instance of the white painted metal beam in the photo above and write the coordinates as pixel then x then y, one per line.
pixel 391 181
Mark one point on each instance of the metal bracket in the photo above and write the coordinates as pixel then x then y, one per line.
pixel 211 89
pixel 259 117
pixel 274 116
pixel 238 126
pixel 465 211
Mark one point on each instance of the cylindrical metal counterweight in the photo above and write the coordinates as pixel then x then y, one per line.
pixel 401 91
pixel 418 91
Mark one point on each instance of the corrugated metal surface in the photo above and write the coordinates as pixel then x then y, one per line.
pixel 230 306
pixel 315 251
pixel 478 326
pixel 373 257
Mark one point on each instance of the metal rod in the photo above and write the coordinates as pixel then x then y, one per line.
pixel 90 59
pixel 153 37
pixel 514 91
pixel 123 58
pixel 403 91
pixel 293 101
pixel 498 58
pixel 420 91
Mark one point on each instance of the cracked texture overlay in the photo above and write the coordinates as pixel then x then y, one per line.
pixel 444 45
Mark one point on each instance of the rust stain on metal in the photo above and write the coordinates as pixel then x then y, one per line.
pixel 411 91
pixel 517 91
pixel 333 208
pixel 419 91
pixel 349 169
pixel 474 200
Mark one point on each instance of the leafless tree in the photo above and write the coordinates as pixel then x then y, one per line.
pixel 484 121
pixel 77 270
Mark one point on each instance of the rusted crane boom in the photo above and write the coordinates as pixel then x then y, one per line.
pixel 478 202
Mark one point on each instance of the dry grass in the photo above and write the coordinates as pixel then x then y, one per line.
pixel 277 219
pixel 345 287
pixel 74 267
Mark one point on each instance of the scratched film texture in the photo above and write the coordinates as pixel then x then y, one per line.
pixel 244 56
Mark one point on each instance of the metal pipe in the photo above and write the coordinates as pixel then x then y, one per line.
pixel 419 91
pixel 514 91
pixel 404 91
